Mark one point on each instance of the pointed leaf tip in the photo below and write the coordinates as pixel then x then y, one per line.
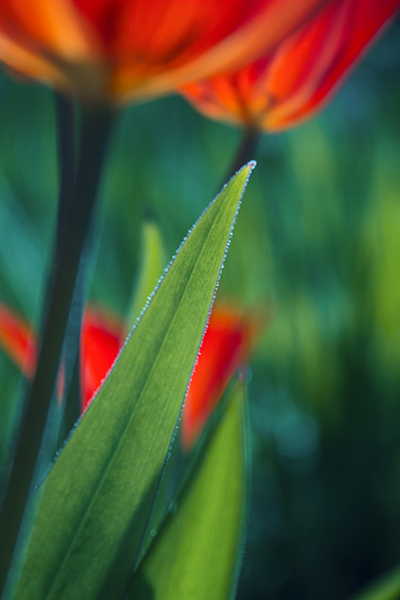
pixel 246 169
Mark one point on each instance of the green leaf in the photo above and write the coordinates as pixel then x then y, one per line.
pixel 384 588
pixel 152 264
pixel 96 499
pixel 197 552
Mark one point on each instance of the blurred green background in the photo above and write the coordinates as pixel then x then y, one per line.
pixel 318 243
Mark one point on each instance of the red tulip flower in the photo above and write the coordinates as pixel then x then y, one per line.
pixel 289 84
pixel 116 50
pixel 100 344
pixel 227 344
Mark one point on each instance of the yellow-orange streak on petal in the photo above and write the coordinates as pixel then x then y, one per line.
pixel 30 65
pixel 207 98
pixel 240 97
pixel 90 80
pixel 44 26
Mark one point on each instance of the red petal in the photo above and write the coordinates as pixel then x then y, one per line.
pixel 226 345
pixel 353 27
pixel 288 85
pixel 18 340
pixel 118 49
pixel 100 344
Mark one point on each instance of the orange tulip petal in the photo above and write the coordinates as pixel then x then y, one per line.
pixel 48 27
pixel 18 340
pixel 29 64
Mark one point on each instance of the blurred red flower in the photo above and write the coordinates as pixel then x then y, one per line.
pixel 100 344
pixel 289 84
pixel 122 49
pixel 18 340
pixel 118 49
pixel 226 345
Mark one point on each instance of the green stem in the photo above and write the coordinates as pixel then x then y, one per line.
pixel 245 151
pixel 65 116
pixel 95 130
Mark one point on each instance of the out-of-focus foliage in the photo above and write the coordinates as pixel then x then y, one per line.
pixel 318 237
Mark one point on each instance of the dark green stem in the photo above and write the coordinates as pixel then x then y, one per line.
pixel 65 117
pixel 95 130
pixel 246 150
pixel 66 139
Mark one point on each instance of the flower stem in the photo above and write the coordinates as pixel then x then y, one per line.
pixel 245 151
pixel 65 117
pixel 66 138
pixel 95 131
